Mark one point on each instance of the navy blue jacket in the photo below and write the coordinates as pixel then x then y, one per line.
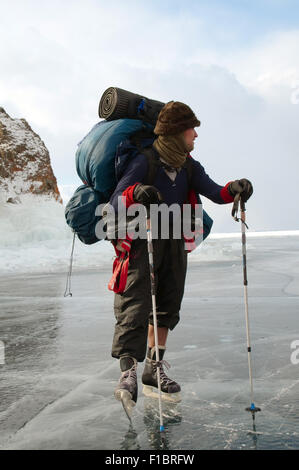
pixel 172 191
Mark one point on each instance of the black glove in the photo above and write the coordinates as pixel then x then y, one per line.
pixel 243 187
pixel 146 195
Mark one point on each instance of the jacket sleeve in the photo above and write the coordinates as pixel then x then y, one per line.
pixel 203 184
pixel 135 172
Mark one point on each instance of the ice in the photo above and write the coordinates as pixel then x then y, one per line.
pixel 58 379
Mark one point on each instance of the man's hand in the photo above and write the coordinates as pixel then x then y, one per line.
pixel 242 187
pixel 146 195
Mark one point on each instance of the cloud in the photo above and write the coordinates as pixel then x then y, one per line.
pixel 57 58
pixel 270 67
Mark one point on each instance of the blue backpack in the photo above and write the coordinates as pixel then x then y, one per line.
pixel 100 164
pixel 99 168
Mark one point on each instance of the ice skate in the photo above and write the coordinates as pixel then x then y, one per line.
pixel 127 389
pixel 170 390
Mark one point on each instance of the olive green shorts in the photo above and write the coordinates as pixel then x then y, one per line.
pixel 133 308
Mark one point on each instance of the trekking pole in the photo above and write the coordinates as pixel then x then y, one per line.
pixel 67 292
pixel 153 292
pixel 252 408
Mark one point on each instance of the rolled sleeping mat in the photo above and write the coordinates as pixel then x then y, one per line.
pixel 117 103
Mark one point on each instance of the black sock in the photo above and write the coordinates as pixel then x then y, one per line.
pixel 126 362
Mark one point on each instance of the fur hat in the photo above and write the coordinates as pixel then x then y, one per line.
pixel 174 118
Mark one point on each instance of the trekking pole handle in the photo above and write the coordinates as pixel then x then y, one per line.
pixel 236 206
pixel 242 206
pixel 238 200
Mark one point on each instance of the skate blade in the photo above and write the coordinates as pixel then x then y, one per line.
pixel 126 399
pixel 152 392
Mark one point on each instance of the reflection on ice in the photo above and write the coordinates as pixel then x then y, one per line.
pixel 130 440
pixel 171 417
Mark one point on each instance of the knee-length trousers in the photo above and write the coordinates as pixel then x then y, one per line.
pixel 133 308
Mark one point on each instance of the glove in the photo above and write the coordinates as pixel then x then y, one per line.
pixel 243 187
pixel 146 195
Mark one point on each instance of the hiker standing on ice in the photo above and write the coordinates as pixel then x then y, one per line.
pixel 134 333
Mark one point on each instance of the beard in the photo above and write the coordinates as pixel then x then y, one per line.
pixel 190 146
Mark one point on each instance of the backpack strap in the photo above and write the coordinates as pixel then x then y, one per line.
pixel 188 165
pixel 153 164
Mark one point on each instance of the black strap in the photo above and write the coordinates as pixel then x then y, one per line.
pixel 189 166
pixel 154 164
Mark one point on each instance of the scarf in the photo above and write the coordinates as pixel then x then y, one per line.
pixel 172 149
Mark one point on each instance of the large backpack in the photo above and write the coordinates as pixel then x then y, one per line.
pixel 101 163
pixel 100 167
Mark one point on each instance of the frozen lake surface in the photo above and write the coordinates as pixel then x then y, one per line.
pixel 56 386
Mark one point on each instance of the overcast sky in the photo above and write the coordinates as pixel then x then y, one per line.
pixel 235 62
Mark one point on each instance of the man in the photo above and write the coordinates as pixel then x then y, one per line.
pixel 175 130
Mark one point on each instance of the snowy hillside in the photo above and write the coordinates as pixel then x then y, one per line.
pixel 35 238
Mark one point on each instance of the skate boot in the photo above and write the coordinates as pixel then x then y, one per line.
pixel 170 390
pixel 127 388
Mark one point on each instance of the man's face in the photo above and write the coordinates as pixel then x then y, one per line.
pixel 189 137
